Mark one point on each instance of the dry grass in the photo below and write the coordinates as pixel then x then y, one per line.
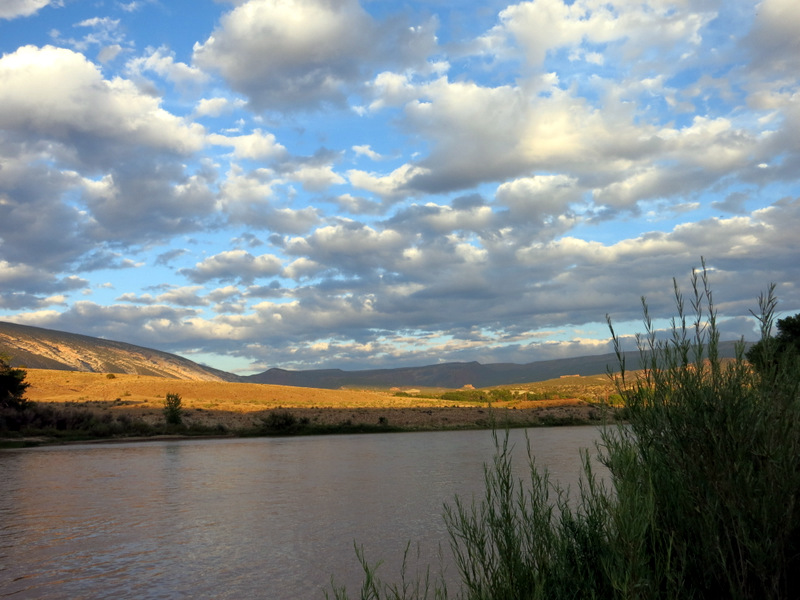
pixel 241 405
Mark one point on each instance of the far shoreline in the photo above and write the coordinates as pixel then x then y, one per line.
pixel 84 407
pixel 347 421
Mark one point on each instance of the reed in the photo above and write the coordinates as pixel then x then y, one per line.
pixel 701 500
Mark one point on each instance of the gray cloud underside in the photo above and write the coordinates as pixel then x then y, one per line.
pixel 373 311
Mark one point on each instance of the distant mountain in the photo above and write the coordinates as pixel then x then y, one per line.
pixel 38 348
pixel 455 375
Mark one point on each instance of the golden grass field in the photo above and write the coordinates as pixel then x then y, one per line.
pixel 241 405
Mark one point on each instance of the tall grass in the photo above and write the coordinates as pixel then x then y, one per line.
pixel 701 500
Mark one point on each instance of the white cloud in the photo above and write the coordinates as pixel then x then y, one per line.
pixel 242 187
pixel 392 89
pixel 773 39
pixel 544 26
pixel 132 6
pixel 162 62
pixel 302 268
pixel 109 53
pixel 316 178
pixel 366 150
pixel 256 145
pixel 99 22
pixel 214 107
pixel 235 265
pixel 246 198
pixel 288 53
pixel 11 9
pixel 393 186
pixel 537 197
pixel 350 246
pixel 302 54
pixel 57 93
pixel 526 132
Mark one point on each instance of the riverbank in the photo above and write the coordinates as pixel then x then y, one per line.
pixel 315 421
pixel 93 406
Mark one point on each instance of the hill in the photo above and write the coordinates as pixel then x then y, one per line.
pixel 455 375
pixel 38 348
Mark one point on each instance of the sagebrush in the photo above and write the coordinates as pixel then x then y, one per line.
pixel 701 499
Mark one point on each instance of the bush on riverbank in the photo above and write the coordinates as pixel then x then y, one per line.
pixel 173 409
pixel 12 386
pixel 701 500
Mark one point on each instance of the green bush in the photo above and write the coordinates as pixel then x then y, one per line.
pixel 767 355
pixel 12 385
pixel 701 500
pixel 716 445
pixel 173 409
pixel 466 396
pixel 279 421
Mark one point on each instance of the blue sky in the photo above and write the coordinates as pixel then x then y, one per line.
pixel 328 183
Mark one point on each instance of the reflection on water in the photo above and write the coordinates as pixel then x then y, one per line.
pixel 261 518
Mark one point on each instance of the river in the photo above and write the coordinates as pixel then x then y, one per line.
pixel 241 518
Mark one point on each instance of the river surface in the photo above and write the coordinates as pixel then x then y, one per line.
pixel 267 518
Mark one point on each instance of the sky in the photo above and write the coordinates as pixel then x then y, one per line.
pixel 341 184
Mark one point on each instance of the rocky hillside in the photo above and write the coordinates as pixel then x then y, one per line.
pixel 37 348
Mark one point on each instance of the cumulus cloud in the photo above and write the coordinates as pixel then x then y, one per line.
pixel 180 296
pixel 162 62
pixel 35 228
pixel 392 187
pixel 366 150
pixel 135 187
pixel 538 198
pixel 11 9
pixel 525 133
pixel 303 54
pixel 246 198
pixel 59 94
pixel 235 265
pixel 132 323
pixel 256 145
pixel 26 286
pixel 109 53
pixel 773 39
pixel 548 25
pixel 349 247
pixel 316 177
pixel 214 107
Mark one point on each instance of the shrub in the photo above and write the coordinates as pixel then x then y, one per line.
pixel 702 498
pixel 716 445
pixel 12 385
pixel 767 355
pixel 173 409
pixel 279 421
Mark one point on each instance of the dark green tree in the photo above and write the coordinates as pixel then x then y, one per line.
pixel 766 354
pixel 173 409
pixel 12 385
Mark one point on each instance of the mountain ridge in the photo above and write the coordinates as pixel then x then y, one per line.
pixel 40 348
pixel 458 375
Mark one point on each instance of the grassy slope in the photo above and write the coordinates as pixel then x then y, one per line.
pixel 238 405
